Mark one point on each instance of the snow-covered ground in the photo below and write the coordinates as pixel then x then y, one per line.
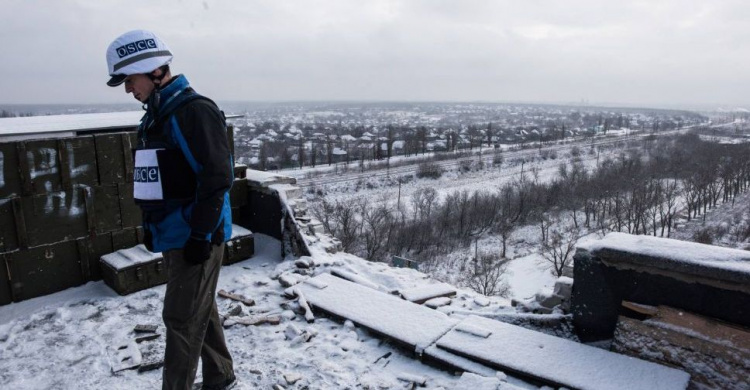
pixel 67 340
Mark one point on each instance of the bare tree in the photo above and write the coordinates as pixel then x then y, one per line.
pixel 559 247
pixel 487 274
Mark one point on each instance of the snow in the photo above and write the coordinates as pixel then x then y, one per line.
pixel 352 277
pixel 130 257
pixel 62 340
pixel 416 326
pixel 50 126
pixel 437 302
pixel 681 255
pixel 423 293
pixel 526 277
pixel 239 231
pixel 471 381
pixel 267 177
pixel 550 357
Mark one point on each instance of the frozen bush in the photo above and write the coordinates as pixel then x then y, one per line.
pixel 429 170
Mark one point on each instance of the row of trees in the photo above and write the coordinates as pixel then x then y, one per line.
pixel 639 192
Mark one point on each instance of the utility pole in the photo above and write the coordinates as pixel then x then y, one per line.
pixel 398 204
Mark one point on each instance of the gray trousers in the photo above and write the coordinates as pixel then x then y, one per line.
pixel 192 322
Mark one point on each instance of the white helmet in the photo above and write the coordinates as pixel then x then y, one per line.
pixel 135 52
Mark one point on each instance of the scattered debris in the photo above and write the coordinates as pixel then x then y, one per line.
pixel 481 300
pixel 715 353
pixel 289 293
pixel 253 320
pixel 238 298
pixel 303 271
pixel 292 331
pixel 145 328
pixel 386 356
pixel 304 262
pixel 548 301
pixel 309 317
pixel 234 311
pixel 434 303
pixel 289 279
pixel 422 294
pixel 416 379
pixel 147 338
pixel 292 378
pixel 124 357
pixel 151 363
pixel 288 315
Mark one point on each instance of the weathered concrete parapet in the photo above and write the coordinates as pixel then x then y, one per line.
pixel 702 279
pixel 277 208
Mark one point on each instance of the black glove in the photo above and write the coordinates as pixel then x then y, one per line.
pixel 148 239
pixel 197 251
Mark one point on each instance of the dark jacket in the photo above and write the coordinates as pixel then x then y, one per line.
pixel 192 130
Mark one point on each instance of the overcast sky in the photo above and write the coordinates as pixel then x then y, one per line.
pixel 652 53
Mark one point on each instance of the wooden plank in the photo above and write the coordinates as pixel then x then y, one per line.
pixel 712 363
pixel 253 320
pixel 708 327
pixel 642 309
pixel 238 298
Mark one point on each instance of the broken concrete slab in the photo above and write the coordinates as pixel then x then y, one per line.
pixel 556 361
pixel 414 326
pixel 434 303
pixel 424 293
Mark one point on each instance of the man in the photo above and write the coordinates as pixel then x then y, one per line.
pixel 183 172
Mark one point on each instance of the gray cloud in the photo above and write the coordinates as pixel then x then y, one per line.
pixel 665 52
